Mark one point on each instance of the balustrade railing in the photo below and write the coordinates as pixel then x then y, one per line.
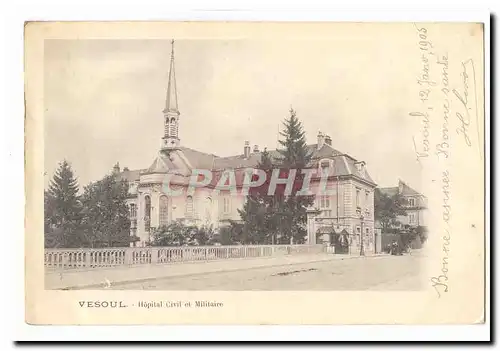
pixel 113 257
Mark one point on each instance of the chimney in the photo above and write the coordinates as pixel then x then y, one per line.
pixel 125 169
pixel 256 148
pixel 321 140
pixel 400 186
pixel 328 140
pixel 246 149
pixel 116 168
pixel 360 166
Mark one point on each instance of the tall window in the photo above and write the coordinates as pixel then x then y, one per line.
pixel 325 168
pixel 357 197
pixel 412 218
pixel 225 207
pixel 163 210
pixel 324 202
pixel 324 205
pixel 189 207
pixel 411 202
pixel 133 211
pixel 147 213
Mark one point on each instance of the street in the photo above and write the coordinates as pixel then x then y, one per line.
pixel 360 273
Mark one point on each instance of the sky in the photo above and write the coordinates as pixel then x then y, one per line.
pixel 104 99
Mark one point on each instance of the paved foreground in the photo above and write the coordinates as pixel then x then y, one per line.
pixel 365 273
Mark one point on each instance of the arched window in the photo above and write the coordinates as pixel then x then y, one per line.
pixel 189 207
pixel 163 210
pixel 166 125
pixel 147 213
pixel 173 125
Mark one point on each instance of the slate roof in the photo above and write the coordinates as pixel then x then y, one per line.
pixel 409 191
pixel 405 190
pixel 161 164
pixel 239 161
pixel 199 159
pixel 343 164
pixel 130 176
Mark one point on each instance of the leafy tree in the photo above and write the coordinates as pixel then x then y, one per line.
pixel 422 233
pixel 175 233
pixel 387 208
pixel 203 235
pixel 227 235
pixel 105 213
pixel 62 208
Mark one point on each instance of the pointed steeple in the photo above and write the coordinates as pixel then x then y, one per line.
pixel 171 112
pixel 171 101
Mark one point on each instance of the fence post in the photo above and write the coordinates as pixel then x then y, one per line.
pixel 88 259
pixel 154 255
pixel 65 259
pixel 129 256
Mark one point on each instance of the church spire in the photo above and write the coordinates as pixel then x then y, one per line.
pixel 171 102
pixel 171 111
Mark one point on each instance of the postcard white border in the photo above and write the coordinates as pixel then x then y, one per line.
pixel 14 159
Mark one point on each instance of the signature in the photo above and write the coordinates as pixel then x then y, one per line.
pixel 463 98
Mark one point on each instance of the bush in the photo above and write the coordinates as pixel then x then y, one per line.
pixel 180 234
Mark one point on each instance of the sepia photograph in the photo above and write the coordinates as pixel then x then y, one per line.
pixel 171 213
pixel 324 158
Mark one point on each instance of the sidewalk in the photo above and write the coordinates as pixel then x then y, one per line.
pixel 102 278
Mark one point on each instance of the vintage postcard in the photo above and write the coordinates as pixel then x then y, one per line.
pixel 255 173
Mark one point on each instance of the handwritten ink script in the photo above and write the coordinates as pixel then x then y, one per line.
pixel 468 107
pixel 425 85
pixel 446 103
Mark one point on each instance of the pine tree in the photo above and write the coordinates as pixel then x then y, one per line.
pixel 62 208
pixel 290 210
pixel 279 218
pixel 256 227
pixel 294 153
pixel 105 213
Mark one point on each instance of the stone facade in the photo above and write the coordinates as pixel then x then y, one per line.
pixel 152 204
pixel 415 204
